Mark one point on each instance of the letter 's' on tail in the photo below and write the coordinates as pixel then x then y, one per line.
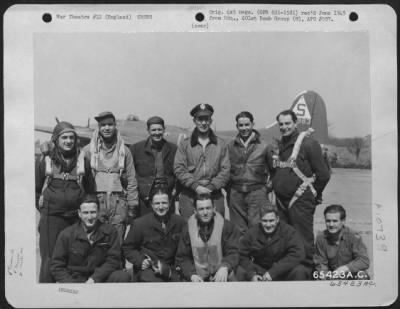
pixel 311 112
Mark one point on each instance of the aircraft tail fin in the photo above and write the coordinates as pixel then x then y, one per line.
pixel 311 112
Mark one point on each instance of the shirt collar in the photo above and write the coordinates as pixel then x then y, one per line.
pixel 342 235
pixel 149 145
pixel 254 139
pixel 113 142
pixel 272 235
pixel 194 139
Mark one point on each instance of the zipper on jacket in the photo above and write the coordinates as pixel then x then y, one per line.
pixel 204 162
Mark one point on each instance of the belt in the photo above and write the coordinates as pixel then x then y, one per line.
pixel 112 192
pixel 191 193
pixel 247 188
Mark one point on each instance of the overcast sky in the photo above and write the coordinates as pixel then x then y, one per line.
pixel 166 74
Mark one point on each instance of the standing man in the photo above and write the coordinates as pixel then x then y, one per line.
pixel 154 163
pixel 62 177
pixel 88 251
pixel 339 251
pixel 208 248
pixel 202 163
pixel 112 166
pixel 300 177
pixel 251 163
pixel 272 251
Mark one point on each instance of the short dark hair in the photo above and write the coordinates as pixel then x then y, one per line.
pixel 89 198
pixel 244 114
pixel 202 197
pixel 336 208
pixel 267 208
pixel 287 112
pixel 159 190
pixel 155 120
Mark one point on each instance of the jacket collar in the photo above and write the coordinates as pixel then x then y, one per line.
pixel 205 229
pixel 194 139
pixel 98 233
pixel 276 235
pixel 343 235
pixel 254 140
pixel 289 140
pixel 158 222
pixel 165 146
pixel 112 143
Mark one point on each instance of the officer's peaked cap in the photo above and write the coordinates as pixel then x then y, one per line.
pixel 202 109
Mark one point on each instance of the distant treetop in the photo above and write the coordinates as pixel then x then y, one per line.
pixel 132 117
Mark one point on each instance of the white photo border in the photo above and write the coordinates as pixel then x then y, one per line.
pixel 22 22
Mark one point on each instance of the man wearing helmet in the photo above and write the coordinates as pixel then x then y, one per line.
pixel 62 177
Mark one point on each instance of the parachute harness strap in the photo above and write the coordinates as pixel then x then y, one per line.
pixel 291 163
pixel 64 176
pixel 49 174
pixel 307 181
pixel 95 145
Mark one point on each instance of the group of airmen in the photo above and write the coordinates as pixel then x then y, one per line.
pixel 107 212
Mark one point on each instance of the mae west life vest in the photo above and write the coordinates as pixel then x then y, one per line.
pixel 291 163
pixel 207 255
pixel 52 172
pixel 107 171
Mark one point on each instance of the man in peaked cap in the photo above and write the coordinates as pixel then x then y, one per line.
pixel 114 172
pixel 201 163
pixel 154 163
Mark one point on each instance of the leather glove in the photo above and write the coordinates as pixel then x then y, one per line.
pixel 163 269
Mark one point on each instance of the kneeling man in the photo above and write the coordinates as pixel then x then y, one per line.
pixel 88 251
pixel 340 252
pixel 208 249
pixel 153 239
pixel 272 251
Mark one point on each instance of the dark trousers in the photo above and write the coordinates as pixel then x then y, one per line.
pixel 49 228
pixel 144 207
pixel 115 276
pixel 119 276
pixel 301 217
pixel 245 207
pixel 114 210
pixel 148 275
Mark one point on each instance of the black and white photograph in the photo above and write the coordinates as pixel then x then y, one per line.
pixel 213 153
